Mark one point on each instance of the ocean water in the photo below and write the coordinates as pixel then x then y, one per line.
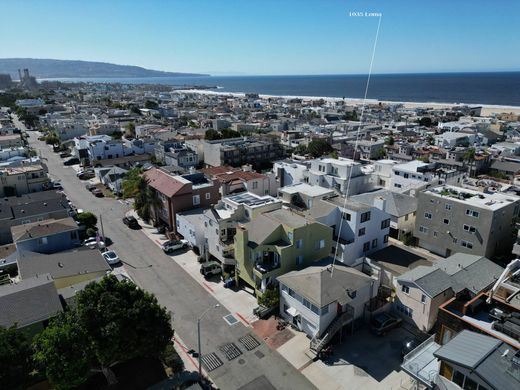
pixel 500 88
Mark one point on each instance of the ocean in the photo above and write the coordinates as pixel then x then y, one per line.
pixel 500 88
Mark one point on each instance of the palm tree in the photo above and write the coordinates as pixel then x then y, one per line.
pixel 469 157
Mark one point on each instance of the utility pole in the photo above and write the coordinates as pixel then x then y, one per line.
pixel 102 230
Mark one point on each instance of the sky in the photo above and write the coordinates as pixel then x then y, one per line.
pixel 268 37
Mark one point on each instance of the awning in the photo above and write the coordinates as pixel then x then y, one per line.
pixel 292 312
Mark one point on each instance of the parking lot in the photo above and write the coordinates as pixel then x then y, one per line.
pixel 362 361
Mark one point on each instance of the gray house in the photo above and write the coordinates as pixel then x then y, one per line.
pixel 49 236
pixel 453 219
pixel 29 304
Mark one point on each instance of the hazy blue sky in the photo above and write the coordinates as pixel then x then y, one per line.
pixel 268 36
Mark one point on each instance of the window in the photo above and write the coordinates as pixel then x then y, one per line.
pixel 470 229
pixel 73 235
pixel 472 213
pixel 366 246
pixel 290 236
pixel 299 243
pixel 458 378
pixel 352 294
pixel 397 185
pixel 255 185
pixel 466 244
pixel 365 217
pixel 423 298
pixel 42 241
pixel 374 243
pixel 320 244
pixel 325 310
pixel 405 289
pixel 208 195
pixel 428 215
pixel 423 229
pixel 435 234
pixel 196 199
pixel 306 303
pixel 406 175
pixel 299 260
pixel 448 206
pixel 315 309
pixel 470 384
pixel 386 223
pixel 385 239
pixel 345 216
pixel 361 232
pixel 446 221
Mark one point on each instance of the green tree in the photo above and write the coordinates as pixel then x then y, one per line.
pixel 381 153
pixel 88 219
pixel 130 129
pixel 15 359
pixel 319 147
pixel 111 322
pixel 228 133
pixel 52 138
pixel 212 135
pixel 425 121
pixel 150 104
pixel 390 141
pixel 62 352
pixel 301 149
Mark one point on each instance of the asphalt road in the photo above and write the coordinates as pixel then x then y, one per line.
pixel 261 368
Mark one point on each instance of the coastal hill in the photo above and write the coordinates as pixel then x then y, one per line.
pixel 47 68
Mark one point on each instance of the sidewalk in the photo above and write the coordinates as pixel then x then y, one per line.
pixel 237 302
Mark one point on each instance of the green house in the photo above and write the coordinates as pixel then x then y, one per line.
pixel 277 242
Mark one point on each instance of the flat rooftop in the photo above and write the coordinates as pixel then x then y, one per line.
pixel 251 200
pixel 306 189
pixel 492 201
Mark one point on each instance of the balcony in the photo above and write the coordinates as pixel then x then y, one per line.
pixel 268 262
pixel 421 364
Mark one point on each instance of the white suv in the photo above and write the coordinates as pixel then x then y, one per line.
pixel 170 246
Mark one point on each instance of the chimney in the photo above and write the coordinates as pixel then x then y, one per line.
pixel 380 202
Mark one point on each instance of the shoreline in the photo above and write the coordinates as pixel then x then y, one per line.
pixel 487 109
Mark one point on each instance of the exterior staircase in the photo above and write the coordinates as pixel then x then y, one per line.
pixel 318 343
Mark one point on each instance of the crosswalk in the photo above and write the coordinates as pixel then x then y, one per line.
pixel 249 342
pixel 211 361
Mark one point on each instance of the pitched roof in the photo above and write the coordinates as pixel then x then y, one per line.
pixel 29 301
pixel 460 271
pixel 166 184
pixel 62 264
pixel 42 228
pixel 321 287
pixel 485 356
pixel 397 205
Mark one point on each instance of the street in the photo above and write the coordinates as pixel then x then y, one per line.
pixel 151 269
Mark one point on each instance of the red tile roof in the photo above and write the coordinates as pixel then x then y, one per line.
pixel 166 184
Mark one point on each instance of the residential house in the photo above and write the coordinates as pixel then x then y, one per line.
pixel 35 207
pixel 183 158
pixel 313 298
pixel 401 208
pixel 450 140
pixel 190 225
pixel 221 221
pixel 10 141
pixel 66 268
pixel 16 181
pixel 47 236
pixel 234 180
pixel 239 151
pixel 453 219
pixel 421 291
pixel 29 304
pixel 275 243
pixel 302 195
pixel 180 193
pixel 112 178
pixel 475 361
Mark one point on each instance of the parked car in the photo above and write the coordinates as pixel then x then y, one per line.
pixel 97 193
pixel 131 222
pixel 210 268
pixel 86 175
pixel 111 257
pixel 57 185
pixel 408 346
pixel 71 161
pixel 65 154
pixel 95 244
pixel 171 246
pixel 384 322
pixel 90 186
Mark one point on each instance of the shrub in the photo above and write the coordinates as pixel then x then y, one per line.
pixel 171 358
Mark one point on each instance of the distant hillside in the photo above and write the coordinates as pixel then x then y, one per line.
pixel 44 68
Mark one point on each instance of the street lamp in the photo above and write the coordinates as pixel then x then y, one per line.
pixel 198 334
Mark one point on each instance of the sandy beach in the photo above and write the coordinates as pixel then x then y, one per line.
pixel 487 109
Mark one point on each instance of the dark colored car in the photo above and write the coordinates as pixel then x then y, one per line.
pixel 65 154
pixel 131 222
pixel 71 161
pixel 408 346
pixel 98 193
pixel 384 322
